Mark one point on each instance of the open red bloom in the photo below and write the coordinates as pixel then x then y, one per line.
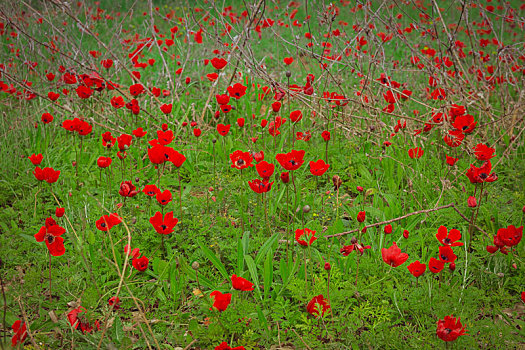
pixel 150 190
pixel 237 91
pixel 450 328
pixel 140 264
pixel 292 160
pixel 464 123
pixel 163 198
pixel 240 283
pixel 446 254
pixel 50 233
pixel 36 159
pixel 225 346
pixel 20 335
pixel 308 234
pixel 451 160
pixel 417 268
pixel 124 142
pixel 393 256
pixel 49 175
pixel 326 135
pixel 319 167
pixel 415 152
pixel 218 63
pixel 265 169
pixel 139 133
pixel 511 235
pixel 259 186
pixel 318 306
pixel 222 99
pixel 106 222
pixel 241 160
pixel 435 265
pixel 223 130
pixel 166 108
pixel 77 319
pixel 163 225
pixel 454 138
pixel 483 152
pixel 104 162
pixel 295 116
pixel 47 118
pixel 347 249
pixel 482 174
pixel 451 238
pixel 221 301
pixel 127 189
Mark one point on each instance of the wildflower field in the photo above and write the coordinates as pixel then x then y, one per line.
pixel 262 174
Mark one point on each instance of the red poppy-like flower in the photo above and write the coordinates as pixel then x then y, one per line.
pixel 472 202
pixel 319 167
pixel 326 135
pixel 241 160
pixel 357 247
pixel 318 306
pixel 163 225
pixel 159 154
pixel 150 190
pixel 77 319
pixel 49 175
pixel 240 283
pixel 114 303
pixel 221 301
pixel 124 142
pixel 523 296
pixel 218 63
pixel 446 254
pixel 451 238
pixel 225 346
pixel 166 108
pixel 140 264
pixel 265 169
pixel 107 63
pixel 295 116
pixel 197 132
pixel 117 102
pixel 106 222
pixel 83 91
pixel 163 198
pixel 285 177
pixel 511 235
pixel 483 152
pixel 388 229
pixel 464 123
pixel 127 189
pixel 59 212
pixel 136 89
pixel 36 159
pixel 20 335
pixel 47 118
pixel 237 91
pixel 223 130
pixel 104 162
pixel 139 133
pixel 415 152
pixel 454 138
pixel 258 156
pixel 482 174
pixel 222 99
pixel 276 106
pixel 135 253
pixel 361 216
pixel 240 122
pixel 50 233
pixel 450 328
pixel 292 160
pixel 416 268
pixel 393 256
pixel 451 160
pixel 288 60
pixel 212 76
pixel 308 234
pixel 435 265
pixel 259 186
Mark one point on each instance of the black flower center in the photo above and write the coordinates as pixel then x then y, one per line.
pixel 163 227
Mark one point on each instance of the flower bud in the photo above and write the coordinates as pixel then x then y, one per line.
pixel 337 182
pixel 306 209
pixel 361 216
pixel 405 234
pixel 195 265
pixel 360 189
pixel 59 212
pixel 327 266
pixel 472 202
pixel 288 74
pixel 452 267
pixel 285 177
pixel 388 229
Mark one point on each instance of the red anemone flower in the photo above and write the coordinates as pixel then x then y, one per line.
pixel 326 135
pixel 393 256
pixel 36 159
pixel 222 99
pixel 292 160
pixel 454 138
pixel 265 169
pixel 104 162
pixel 435 265
pixel 140 264
pixel 166 108
pixel 415 152
pixel 237 91
pixel 318 306
pixel 450 328
pixel 127 189
pixel 446 254
pixel 124 142
pixel 259 186
pixel 464 123
pixel 483 152
pixel 451 160
pixel 295 116
pixel 225 346
pixel 417 268
pixel 241 160
pixel 309 236
pixel 150 190
pixel 319 167
pixel 47 118
pixel 223 129
pixel 50 233
pixel 163 198
pixel 511 235
pixel 77 319
pixel 242 284
pixel 163 225
pixel 451 238
pixel 218 63
pixel 221 301
pixel 482 174
pixel 20 330
pixel 106 222
pixel 139 133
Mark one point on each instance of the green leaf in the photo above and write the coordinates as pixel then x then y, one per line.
pixel 253 273
pixel 119 332
pixel 214 260
pixel 264 248
pixel 268 273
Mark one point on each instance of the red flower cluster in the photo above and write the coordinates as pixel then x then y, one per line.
pixel 49 175
pixel 50 233
pixel 506 238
